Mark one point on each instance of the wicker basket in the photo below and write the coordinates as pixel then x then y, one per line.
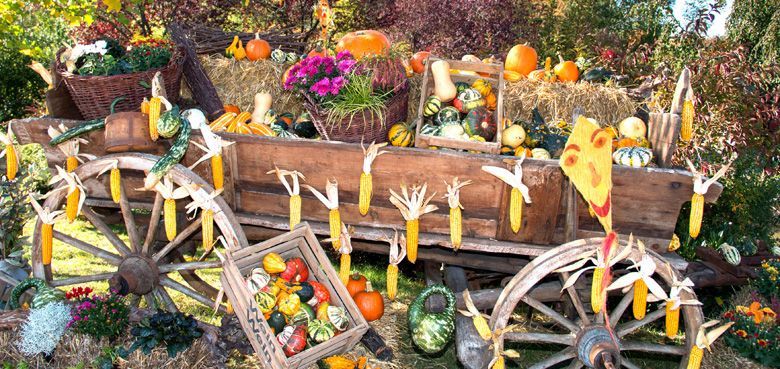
pixel 363 127
pixel 93 94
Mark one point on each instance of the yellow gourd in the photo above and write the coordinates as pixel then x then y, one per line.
pixel 263 102
pixel 443 87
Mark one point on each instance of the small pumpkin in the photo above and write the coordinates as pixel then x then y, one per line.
pixel 468 100
pixel 507 150
pixel 566 71
pixel 432 106
pixel 291 57
pixel 356 283
pixel 257 49
pixel 520 151
pixel 322 311
pixel 491 101
pixel 454 131
pixel 418 61
pixel 448 115
pixel 513 136
pixel 480 122
pixel 278 56
pixel 273 263
pixel 512 76
pixel 370 303
pixel 730 254
pixel 401 134
pixel 625 142
pixel 521 59
pixel 295 271
pixel 483 87
pixel 364 43
pixel 632 127
pixel 321 330
pixel 304 290
pixel 320 292
pixel 257 280
pixel 540 153
pixel 303 316
pixel 266 301
pixel 296 342
pixel 290 304
pixel 338 316
pixel 633 156
pixel 277 321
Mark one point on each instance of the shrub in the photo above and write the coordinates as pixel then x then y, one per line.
pixel 43 329
pixel 755 333
pixel 766 282
pixel 101 316
pixel 176 331
pixel 756 23
pixel 20 86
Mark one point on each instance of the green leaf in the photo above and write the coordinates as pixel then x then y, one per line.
pixel 144 84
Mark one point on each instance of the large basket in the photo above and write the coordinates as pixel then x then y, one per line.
pixel 93 94
pixel 361 127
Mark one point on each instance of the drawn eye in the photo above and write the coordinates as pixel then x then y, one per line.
pixel 571 160
pixel 600 141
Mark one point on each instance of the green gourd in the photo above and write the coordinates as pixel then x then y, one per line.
pixel 431 332
pixel 432 106
pixel 86 127
pixel 304 315
pixel 338 316
pixel 265 301
pixel 44 294
pixel 279 56
pixel 291 57
pixel 277 321
pixel 633 156
pixel 448 115
pixel 173 156
pixel 321 331
pixel 461 86
pixel 169 123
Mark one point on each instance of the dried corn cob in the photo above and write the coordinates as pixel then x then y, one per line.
pixel 704 340
pixel 293 191
pixel 207 229
pixel 72 205
pixel 412 208
pixel 155 108
pixel 499 364
pixel 366 181
pixel 169 218
pixel 295 210
pixel 331 201
pixel 217 174
pixel 700 187
pixel 686 130
pixel 672 320
pixel 392 281
pixel 71 163
pixel 115 184
pixel 11 162
pixel 145 106
pixel 47 231
pixel 480 323
pixel 412 238
pixel 344 268
pixel 334 220
pixel 695 357
pixel 515 210
pixel 595 289
pixel 519 194
pixel 345 242
pixel 456 218
pixel 397 254
pixel 640 299
pixel 697 214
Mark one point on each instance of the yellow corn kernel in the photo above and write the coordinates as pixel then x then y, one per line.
pixel 344 268
pixel 366 191
pixel 595 289
pixel 46 242
pixel 499 364
pixel 672 320
pixel 145 106
pixel 456 227
pixel 154 115
pixel 412 238
pixel 295 211
pixel 115 183
pixel 207 229
pixel 697 214
pixel 392 281
pixel 217 174
pixel 640 299
pixel 481 324
pixel 515 210
pixel 72 205
pixel 695 357
pixel 334 218
pixel 686 130
pixel 71 163
pixel 169 217
pixel 11 164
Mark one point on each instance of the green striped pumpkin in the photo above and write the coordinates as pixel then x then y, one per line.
pixel 169 123
pixel 636 157
pixel 279 56
pixel 265 301
pixel 730 254
pixel 44 294
pixel 303 316
pixel 432 106
pixel 461 86
pixel 291 57
pixel 431 332
pixel 448 115
pixel 258 279
pixel 321 331
pixel 430 130
pixel 338 316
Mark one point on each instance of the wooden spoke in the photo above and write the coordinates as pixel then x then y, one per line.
pixel 127 214
pixel 628 364
pixel 194 226
pixel 170 283
pixel 558 358
pixel 194 265
pixel 575 364
pixel 101 226
pixel 134 300
pixel 625 329
pixel 575 300
pixel 166 299
pixel 154 223
pixel 548 311
pixel 561 339
pixel 653 348
pixel 151 303
pixel 110 257
pixel 614 317
pixel 81 279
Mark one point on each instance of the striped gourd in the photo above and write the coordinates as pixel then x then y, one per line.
pixel 697 214
pixel 11 162
pixel 392 281
pixel 515 209
pixel 334 221
pixel 278 56
pixel 241 119
pixel 261 129
pixel 169 218
pixel 169 123
pixel 86 127
pixel 115 183
pixel 295 210
pixel 635 156
pixel 730 254
pixel 338 316
pixel 412 239
pixel 595 289
pixel 432 106
pixel 217 173
pixel 401 134
pixel 640 299
pixel 366 191
pixel 44 294
pixel 431 332
pixel 155 107
pixel 72 205
pixel 672 320
pixel 222 122
pixel 47 231
pixel 695 357
pixel 207 229
pixel 321 330
pixel 173 156
pixel 344 267
pixel 291 57
pixel 686 129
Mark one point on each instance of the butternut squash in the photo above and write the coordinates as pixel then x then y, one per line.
pixel 262 105
pixel 442 83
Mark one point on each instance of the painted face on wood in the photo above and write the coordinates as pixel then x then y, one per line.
pixel 587 160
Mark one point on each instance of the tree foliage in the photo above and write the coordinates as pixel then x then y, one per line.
pixel 756 24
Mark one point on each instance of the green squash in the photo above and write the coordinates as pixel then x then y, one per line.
pixel 303 316
pixel 431 332
pixel 480 122
pixel 468 100
pixel 266 301
pixel 454 131
pixel 338 316
pixel 291 57
pixel 430 130
pixel 277 321
pixel 169 123
pixel 44 294
pixel 432 106
pixel 635 156
pixel 461 86
pixel 448 115
pixel 321 331
pixel 305 291
pixel 304 127
pixel 279 56
pixel 597 75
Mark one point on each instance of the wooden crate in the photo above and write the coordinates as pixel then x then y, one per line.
pixel 495 75
pixel 301 243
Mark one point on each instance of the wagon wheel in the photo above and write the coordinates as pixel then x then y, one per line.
pixel 139 268
pixel 575 336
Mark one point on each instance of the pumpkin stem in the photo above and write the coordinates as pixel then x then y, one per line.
pixel 369 288
pixel 560 58
pixel 257 35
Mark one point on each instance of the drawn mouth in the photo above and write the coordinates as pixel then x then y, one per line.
pixel 602 210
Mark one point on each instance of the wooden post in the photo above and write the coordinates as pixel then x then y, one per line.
pixel 470 346
pixel 663 129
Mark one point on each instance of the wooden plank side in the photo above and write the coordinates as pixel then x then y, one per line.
pixel 663 131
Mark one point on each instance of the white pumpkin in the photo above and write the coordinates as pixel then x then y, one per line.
pixel 635 156
pixel 257 280
pixel 730 253
pixel 540 153
pixel 453 131
pixel 632 127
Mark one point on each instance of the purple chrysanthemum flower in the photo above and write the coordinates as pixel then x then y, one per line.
pixel 321 87
pixel 345 66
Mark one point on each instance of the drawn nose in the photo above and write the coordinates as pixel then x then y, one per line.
pixel 595 177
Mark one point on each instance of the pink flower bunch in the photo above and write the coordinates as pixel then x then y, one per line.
pixel 321 75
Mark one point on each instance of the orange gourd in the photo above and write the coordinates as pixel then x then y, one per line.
pixel 258 48
pixel 364 43
pixel 566 71
pixel 370 303
pixel 521 59
pixel 545 74
pixel 512 76
pixel 232 109
pixel 356 283
pixel 418 61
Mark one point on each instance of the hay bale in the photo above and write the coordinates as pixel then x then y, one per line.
pixel 237 82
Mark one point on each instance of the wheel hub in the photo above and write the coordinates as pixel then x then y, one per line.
pixel 136 274
pixel 596 348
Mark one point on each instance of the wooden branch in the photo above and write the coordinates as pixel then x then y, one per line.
pixel 110 257
pixel 203 91
pixel 625 329
pixel 101 226
pixel 194 265
pixel 574 296
pixel 470 346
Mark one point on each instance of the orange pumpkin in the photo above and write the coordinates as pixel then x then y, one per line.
pixel 490 101
pixel 566 71
pixel 356 283
pixel 519 151
pixel 625 142
pixel 232 109
pixel 318 52
pixel 370 303
pixel 418 61
pixel 258 48
pixel 521 59
pixel 364 43
pixel 287 74
pixel 512 76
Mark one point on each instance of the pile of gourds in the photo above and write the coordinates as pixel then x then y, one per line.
pixel 264 121
pixel 630 144
pixel 297 310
